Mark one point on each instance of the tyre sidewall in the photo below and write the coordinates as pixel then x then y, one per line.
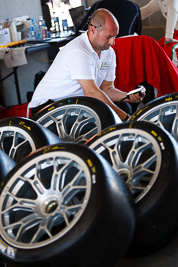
pixel 40 136
pixel 154 103
pixel 106 114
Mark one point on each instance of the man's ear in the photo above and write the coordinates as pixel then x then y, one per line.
pixel 93 29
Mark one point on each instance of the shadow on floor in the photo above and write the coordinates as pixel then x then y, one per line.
pixel 166 257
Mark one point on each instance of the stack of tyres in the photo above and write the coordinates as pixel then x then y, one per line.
pixel 89 204
pixel 64 205
pixel 145 156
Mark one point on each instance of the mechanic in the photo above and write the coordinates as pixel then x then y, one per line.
pixel 85 67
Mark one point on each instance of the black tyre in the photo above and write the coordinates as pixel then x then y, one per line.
pixel 77 118
pixel 20 136
pixel 145 156
pixel 163 112
pixel 6 165
pixel 64 205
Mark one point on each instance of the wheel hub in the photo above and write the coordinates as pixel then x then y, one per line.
pixel 125 174
pixel 51 206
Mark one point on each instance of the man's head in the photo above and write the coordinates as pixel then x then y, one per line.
pixel 102 30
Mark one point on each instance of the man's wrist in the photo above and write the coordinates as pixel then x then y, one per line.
pixel 126 118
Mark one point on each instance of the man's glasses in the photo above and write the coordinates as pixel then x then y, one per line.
pixel 89 23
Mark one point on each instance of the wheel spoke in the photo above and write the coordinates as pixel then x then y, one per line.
pixel 72 123
pixel 174 131
pixel 61 123
pixel 16 145
pixel 135 153
pixel 164 115
pixel 20 204
pixel 42 229
pixel 55 179
pixel 160 118
pixel 14 140
pixel 73 187
pixel 19 228
pixel 36 184
pixel 83 138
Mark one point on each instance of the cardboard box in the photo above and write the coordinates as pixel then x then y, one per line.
pixel 8 29
pixel 5 36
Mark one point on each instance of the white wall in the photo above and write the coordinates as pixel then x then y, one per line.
pixel 89 3
pixel 36 61
pixel 16 8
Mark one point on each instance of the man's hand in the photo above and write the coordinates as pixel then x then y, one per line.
pixel 137 95
pixel 134 98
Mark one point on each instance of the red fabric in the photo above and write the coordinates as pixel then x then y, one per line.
pixel 168 47
pixel 140 58
pixel 14 111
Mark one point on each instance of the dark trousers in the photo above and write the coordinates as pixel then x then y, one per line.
pixel 125 106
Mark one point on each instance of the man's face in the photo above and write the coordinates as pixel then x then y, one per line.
pixel 105 36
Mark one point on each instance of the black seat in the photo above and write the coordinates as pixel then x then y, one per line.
pixel 46 13
pixel 126 12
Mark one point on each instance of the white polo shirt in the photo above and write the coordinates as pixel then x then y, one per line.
pixel 76 61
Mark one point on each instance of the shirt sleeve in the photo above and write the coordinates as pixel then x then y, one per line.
pixel 80 65
pixel 111 73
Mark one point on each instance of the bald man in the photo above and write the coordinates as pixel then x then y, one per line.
pixel 85 67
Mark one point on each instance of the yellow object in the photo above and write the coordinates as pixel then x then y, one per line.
pixel 13 44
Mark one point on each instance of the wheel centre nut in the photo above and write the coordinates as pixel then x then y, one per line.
pixel 51 206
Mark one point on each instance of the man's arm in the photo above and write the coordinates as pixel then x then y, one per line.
pixel 116 95
pixel 149 9
pixel 91 89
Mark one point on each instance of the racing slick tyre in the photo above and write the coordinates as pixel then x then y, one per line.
pixel 64 205
pixel 145 156
pixel 20 136
pixel 6 164
pixel 77 118
pixel 163 112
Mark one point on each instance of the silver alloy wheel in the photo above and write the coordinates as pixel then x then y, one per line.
pixel 44 199
pixel 135 156
pixel 72 123
pixel 164 115
pixel 13 139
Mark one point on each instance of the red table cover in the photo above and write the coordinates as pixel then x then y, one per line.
pixel 141 58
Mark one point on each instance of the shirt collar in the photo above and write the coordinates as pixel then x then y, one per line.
pixel 87 42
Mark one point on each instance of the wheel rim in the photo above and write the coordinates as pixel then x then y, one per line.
pixel 72 123
pixel 165 116
pixel 14 140
pixel 135 156
pixel 44 199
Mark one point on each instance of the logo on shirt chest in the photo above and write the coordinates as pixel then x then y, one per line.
pixel 105 65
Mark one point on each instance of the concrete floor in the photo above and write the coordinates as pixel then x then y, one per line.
pixel 166 257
